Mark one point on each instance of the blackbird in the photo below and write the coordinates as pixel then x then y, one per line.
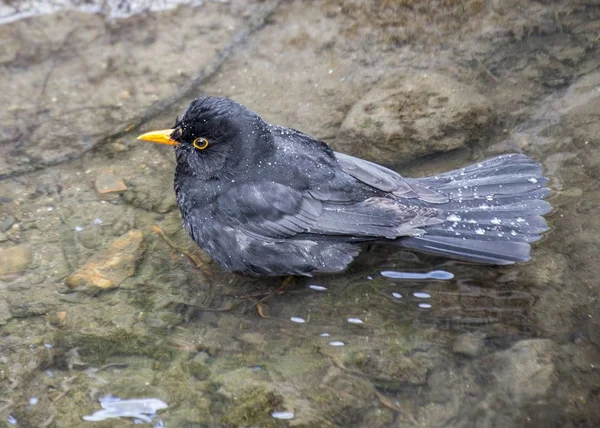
pixel 269 200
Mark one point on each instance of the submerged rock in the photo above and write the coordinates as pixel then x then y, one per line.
pixel 108 183
pixel 5 314
pixel 109 267
pixel 524 372
pixel 14 260
pixel 469 344
pixel 403 118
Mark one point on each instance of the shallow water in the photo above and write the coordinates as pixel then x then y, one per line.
pixel 400 339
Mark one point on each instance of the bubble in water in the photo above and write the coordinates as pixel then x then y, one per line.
pixel 496 220
pixel 489 197
pixel 520 220
pixel 453 217
pixel 283 415
pixel 533 180
pixel 318 287
pixel 355 321
pixel 397 295
pixel 480 231
pixel 298 320
pixel 78 228
pixel 337 343
pixel 421 295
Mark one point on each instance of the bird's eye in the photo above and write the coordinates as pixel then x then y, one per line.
pixel 200 143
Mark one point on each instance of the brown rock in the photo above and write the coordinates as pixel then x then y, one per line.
pixel 107 182
pixel 403 118
pixel 109 267
pixel 14 260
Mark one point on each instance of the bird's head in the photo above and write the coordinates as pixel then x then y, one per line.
pixel 214 134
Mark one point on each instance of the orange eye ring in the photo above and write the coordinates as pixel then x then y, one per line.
pixel 200 143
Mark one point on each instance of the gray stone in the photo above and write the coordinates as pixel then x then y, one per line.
pixel 5 314
pixel 410 116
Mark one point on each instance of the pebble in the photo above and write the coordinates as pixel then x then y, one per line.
pixel 108 183
pixel 298 320
pixel 14 260
pixel 355 321
pixel 318 287
pixel 108 268
pixel 397 295
pixel 424 305
pixel 337 343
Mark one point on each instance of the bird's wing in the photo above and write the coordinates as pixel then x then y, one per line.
pixel 381 178
pixel 269 210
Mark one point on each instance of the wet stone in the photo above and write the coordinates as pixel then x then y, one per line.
pixel 469 344
pixel 14 260
pixel 7 223
pixel 21 307
pixel 416 115
pixel 526 371
pixel 109 267
pixel 90 238
pixel 108 183
pixel 5 314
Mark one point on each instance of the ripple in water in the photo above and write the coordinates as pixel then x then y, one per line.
pixel 434 274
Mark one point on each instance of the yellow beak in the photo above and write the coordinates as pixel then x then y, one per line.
pixel 160 137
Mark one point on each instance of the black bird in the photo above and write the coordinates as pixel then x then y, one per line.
pixel 268 200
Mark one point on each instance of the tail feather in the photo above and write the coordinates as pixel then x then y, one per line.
pixel 494 211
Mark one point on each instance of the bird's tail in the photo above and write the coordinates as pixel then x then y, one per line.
pixel 494 211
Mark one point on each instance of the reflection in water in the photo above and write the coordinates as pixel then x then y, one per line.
pixel 283 415
pixel 434 274
pixel 422 295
